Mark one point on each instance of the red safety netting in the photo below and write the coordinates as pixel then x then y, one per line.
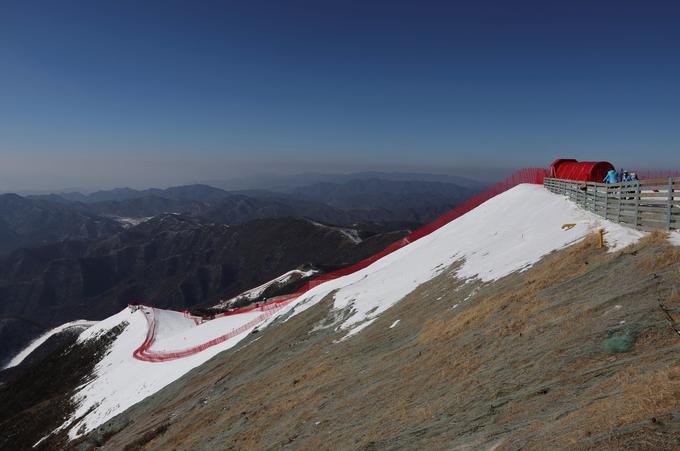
pixel 144 352
pixel 657 174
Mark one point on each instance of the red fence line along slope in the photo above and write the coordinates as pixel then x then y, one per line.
pixel 144 352
pixel 658 174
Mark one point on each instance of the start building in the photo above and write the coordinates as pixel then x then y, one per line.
pixel 587 171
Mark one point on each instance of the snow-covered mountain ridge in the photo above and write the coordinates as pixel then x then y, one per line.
pixel 508 233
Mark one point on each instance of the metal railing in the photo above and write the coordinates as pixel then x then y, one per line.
pixel 643 204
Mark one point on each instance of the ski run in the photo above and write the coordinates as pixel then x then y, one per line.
pixel 508 233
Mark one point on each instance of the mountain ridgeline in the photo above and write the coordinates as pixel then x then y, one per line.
pixel 71 256
pixel 43 219
pixel 35 221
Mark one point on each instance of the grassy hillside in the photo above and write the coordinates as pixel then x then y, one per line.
pixel 576 352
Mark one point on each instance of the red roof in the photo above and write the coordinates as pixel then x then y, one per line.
pixel 591 171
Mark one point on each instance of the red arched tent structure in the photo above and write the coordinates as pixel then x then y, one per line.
pixel 587 171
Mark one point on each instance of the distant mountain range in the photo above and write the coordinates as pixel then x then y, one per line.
pixel 203 193
pixel 169 261
pixel 278 182
pixel 31 222
pixel 72 256
pixel 375 199
pixel 43 219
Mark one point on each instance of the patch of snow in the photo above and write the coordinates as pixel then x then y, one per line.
pixel 394 324
pixel 508 233
pixel 352 234
pixel 131 222
pixel 361 326
pixel 40 441
pixel 674 238
pixel 35 344
pixel 472 293
pixel 612 309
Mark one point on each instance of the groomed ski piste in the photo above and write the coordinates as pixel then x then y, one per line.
pixel 502 231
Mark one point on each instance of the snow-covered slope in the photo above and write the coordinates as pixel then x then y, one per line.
pixel 256 292
pixel 508 233
pixel 675 238
pixel 35 344
pixel 121 381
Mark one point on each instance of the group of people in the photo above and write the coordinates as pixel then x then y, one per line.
pixel 621 176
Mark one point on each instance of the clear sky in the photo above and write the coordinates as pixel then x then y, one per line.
pixel 97 94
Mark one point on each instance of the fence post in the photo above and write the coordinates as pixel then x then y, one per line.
pixel 618 209
pixel 606 200
pixel 670 203
pixel 637 204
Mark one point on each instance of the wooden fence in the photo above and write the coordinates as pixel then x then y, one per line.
pixel 643 204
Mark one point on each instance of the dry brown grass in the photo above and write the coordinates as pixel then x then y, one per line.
pixel 513 367
pixel 667 256
pixel 631 397
pixel 567 263
pixel 635 394
pixel 646 393
pixel 655 237
pixel 517 306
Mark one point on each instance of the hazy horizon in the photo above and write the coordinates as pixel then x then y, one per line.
pixel 97 95
pixel 152 175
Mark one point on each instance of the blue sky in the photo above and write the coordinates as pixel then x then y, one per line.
pixel 102 94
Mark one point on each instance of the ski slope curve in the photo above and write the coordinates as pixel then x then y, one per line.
pixel 168 331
